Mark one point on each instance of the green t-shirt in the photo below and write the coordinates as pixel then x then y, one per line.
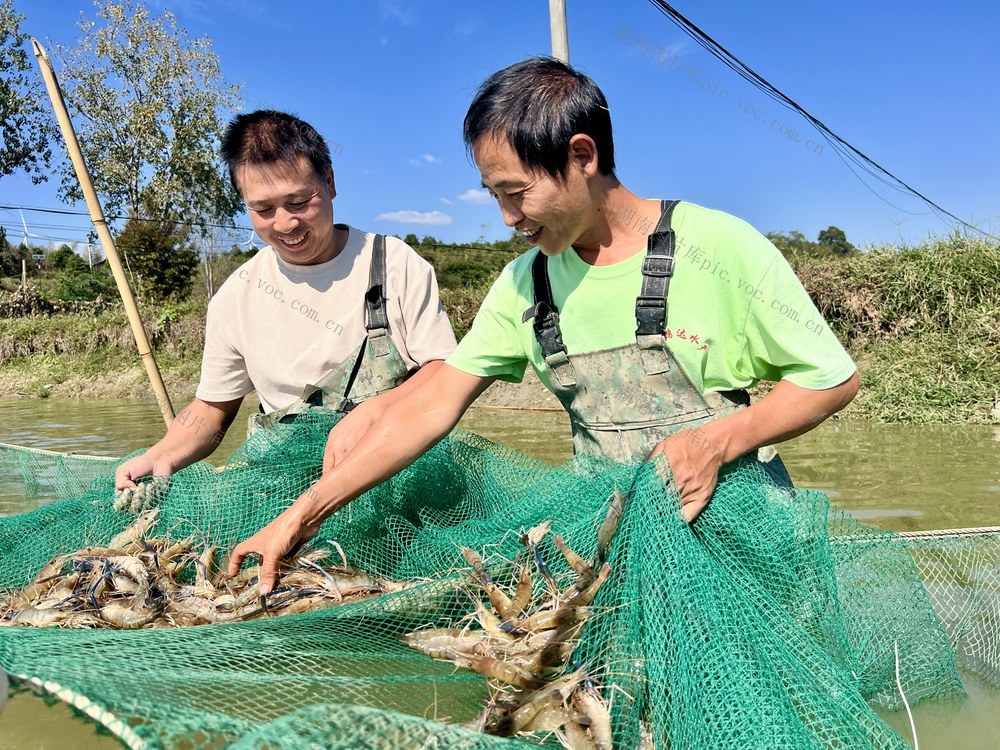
pixel 736 312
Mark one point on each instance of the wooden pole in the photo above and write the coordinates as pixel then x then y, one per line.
pixel 97 216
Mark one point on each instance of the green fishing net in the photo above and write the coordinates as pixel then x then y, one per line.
pixel 773 621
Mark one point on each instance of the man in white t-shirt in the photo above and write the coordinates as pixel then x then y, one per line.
pixel 326 316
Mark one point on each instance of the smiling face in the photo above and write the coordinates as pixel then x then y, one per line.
pixel 291 209
pixel 553 214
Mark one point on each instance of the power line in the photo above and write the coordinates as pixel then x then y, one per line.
pixel 844 150
pixel 67 212
pixel 14 227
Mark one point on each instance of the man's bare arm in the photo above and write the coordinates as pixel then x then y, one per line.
pixel 349 430
pixel 193 435
pixel 695 456
pixel 406 429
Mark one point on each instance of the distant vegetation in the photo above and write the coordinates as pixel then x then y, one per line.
pixel 923 326
pixel 922 323
pixel 831 243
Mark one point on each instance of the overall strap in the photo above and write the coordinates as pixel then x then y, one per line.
pixel 546 323
pixel 651 304
pixel 378 319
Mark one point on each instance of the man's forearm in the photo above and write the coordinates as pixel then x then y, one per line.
pixel 195 433
pixel 376 406
pixel 786 412
pixel 406 429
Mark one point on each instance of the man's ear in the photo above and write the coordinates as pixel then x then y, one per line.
pixel 330 185
pixel 583 154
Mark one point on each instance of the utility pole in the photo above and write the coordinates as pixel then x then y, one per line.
pixel 557 23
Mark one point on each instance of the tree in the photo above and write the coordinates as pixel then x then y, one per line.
pixel 411 239
pixel 26 126
pixel 793 244
pixel 148 102
pixel 64 259
pixel 835 239
pixel 516 243
pixel 160 259
pixel 85 284
pixel 11 256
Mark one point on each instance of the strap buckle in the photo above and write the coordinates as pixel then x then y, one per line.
pixel 642 301
pixel 658 265
pixel 650 316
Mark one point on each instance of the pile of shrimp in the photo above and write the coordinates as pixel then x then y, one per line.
pixel 524 640
pixel 138 582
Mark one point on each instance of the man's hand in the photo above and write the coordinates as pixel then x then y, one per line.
pixel 133 496
pixel 788 410
pixel 283 536
pixel 405 430
pixel 695 459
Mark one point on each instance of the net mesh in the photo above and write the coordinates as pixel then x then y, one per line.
pixel 771 622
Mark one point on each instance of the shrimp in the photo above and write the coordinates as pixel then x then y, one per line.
pixel 37 618
pixel 497 669
pixel 440 643
pixel 592 706
pixel 586 596
pixel 610 524
pixel 576 562
pixel 136 530
pixel 499 600
pixel 522 595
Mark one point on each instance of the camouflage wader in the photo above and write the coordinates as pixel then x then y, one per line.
pixel 623 401
pixel 375 366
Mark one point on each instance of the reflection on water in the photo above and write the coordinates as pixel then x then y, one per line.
pixel 900 477
pixel 895 476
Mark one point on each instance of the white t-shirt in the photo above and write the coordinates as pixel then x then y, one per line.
pixel 275 327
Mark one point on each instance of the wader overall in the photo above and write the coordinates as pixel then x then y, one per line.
pixel 623 401
pixel 374 367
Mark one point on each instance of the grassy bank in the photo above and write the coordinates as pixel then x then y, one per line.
pixel 923 325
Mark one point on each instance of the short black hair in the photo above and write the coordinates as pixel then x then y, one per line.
pixel 268 136
pixel 537 105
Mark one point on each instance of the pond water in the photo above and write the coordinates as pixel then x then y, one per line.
pixel 899 477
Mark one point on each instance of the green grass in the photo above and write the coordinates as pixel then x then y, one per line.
pixel 923 325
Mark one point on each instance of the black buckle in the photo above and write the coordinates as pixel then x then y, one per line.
pixel 374 294
pixel 545 316
pixel 650 316
pixel 641 301
pixel 657 265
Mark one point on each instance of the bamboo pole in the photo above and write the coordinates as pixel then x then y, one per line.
pixel 108 243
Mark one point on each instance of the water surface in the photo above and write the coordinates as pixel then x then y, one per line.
pixel 894 476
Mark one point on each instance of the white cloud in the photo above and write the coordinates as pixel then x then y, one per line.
pixel 467 28
pixel 395 10
pixel 446 202
pixel 425 159
pixel 475 197
pixel 415 217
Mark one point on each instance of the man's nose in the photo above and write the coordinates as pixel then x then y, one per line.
pixel 511 214
pixel 284 220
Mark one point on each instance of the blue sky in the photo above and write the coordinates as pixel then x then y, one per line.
pixel 911 84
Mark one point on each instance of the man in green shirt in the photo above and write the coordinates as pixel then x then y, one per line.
pixel 647 318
